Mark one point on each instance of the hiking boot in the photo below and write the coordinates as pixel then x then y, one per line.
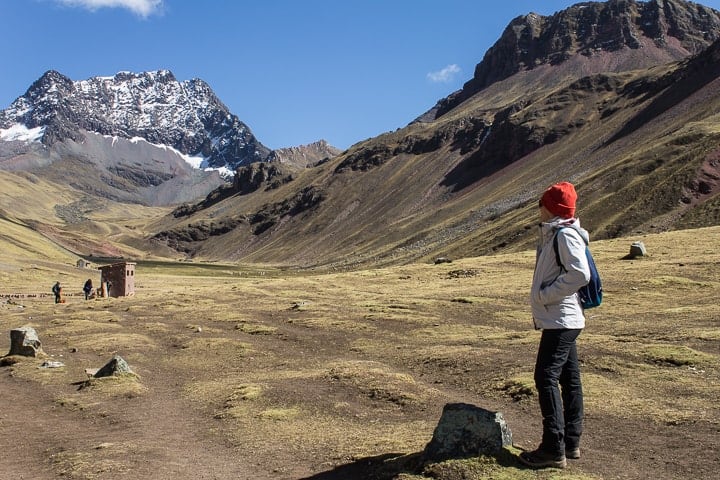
pixel 541 459
pixel 572 453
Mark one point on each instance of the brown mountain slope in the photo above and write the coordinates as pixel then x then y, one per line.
pixel 641 147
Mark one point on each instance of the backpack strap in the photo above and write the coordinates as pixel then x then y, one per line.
pixel 555 247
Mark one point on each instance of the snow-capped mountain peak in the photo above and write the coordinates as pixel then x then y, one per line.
pixel 186 116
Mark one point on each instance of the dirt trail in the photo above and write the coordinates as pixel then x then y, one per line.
pixel 26 433
pixel 155 435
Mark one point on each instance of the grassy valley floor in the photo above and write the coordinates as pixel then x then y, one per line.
pixel 252 372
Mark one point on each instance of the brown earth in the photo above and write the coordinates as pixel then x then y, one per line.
pixel 252 374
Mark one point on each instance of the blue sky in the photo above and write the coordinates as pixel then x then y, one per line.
pixel 295 71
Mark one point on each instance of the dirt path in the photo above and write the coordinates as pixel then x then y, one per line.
pixel 156 435
pixel 29 425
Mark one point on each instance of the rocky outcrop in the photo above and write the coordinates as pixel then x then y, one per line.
pixel 140 177
pixel 216 196
pixel 186 239
pixel 374 154
pixel 672 29
pixel 247 179
pixel 306 199
pixel 251 177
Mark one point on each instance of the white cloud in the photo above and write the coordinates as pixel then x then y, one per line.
pixel 445 75
pixel 142 8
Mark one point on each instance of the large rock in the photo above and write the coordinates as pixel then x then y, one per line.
pixel 637 249
pixel 24 341
pixel 467 431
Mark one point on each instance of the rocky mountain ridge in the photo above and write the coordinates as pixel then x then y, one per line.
pixel 304 155
pixel 659 30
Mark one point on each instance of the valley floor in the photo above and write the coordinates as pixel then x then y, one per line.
pixel 250 374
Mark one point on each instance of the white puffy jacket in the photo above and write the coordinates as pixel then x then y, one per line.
pixel 553 295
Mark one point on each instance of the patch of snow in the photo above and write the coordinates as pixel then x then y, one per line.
pixel 486 135
pixel 223 171
pixel 20 108
pixel 20 132
pixel 197 162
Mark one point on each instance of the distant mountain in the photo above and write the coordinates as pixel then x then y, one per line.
pixel 137 137
pixel 619 97
pixel 151 105
pixel 304 155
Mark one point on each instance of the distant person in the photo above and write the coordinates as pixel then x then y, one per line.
pixel 557 312
pixel 57 291
pixel 88 288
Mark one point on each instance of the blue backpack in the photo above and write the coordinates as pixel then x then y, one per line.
pixel 592 293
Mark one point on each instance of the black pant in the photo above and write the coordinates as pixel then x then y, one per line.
pixel 557 363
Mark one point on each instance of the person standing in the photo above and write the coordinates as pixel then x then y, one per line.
pixel 88 288
pixel 57 291
pixel 557 312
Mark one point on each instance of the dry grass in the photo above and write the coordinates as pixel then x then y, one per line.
pixel 126 385
pixel 323 370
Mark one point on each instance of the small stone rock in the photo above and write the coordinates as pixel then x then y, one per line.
pixel 116 366
pixel 49 364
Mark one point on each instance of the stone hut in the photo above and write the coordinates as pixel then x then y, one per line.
pixel 118 279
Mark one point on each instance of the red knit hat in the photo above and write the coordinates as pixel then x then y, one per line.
pixel 560 199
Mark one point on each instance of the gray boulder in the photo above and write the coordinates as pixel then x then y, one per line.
pixel 467 431
pixel 24 341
